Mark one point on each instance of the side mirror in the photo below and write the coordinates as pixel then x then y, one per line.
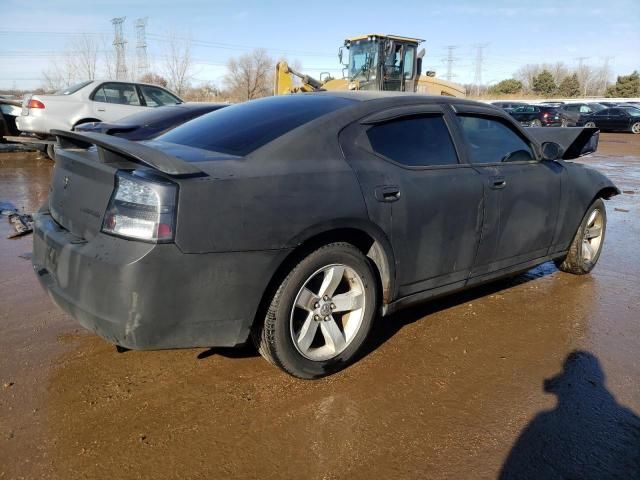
pixel 340 55
pixel 551 151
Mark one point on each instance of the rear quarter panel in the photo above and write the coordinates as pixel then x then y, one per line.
pixel 268 199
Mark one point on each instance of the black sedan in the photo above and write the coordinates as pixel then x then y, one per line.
pixel 538 116
pixel 152 122
pixel 299 220
pixel 573 113
pixel 621 119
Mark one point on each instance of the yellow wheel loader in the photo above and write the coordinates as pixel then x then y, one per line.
pixel 374 62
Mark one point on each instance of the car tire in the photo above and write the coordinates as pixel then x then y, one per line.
pixel 635 128
pixel 564 123
pixel 321 313
pixel 590 125
pixel 50 153
pixel 536 123
pixel 586 246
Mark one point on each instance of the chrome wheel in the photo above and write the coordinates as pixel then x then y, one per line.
pixel 327 312
pixel 592 238
pixel 635 128
pixel 590 125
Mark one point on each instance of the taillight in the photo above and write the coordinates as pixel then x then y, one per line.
pixel 142 207
pixel 35 104
pixel 545 114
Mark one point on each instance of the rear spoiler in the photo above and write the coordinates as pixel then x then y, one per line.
pixel 575 141
pixel 136 152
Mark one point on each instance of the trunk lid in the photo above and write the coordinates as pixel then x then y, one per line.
pixel 84 176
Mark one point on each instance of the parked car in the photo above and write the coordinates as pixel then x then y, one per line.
pixel 151 123
pixel 573 112
pixel 538 116
pixel 296 220
pixel 92 101
pixel 621 119
pixel 508 106
pixel 9 110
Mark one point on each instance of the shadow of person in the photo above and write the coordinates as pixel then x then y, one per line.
pixel 587 436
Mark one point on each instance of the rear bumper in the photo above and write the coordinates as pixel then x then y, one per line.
pixel 32 124
pixel 147 296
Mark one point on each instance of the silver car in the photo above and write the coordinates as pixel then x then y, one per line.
pixel 91 101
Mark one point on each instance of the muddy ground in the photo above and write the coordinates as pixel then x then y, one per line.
pixel 472 386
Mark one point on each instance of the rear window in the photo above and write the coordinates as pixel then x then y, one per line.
pixel 73 88
pixel 241 129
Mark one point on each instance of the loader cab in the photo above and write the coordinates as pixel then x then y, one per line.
pixel 382 62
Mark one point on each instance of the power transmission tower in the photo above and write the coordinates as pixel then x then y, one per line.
pixel 477 79
pixel 141 46
pixel 582 74
pixel 449 60
pixel 119 42
pixel 605 73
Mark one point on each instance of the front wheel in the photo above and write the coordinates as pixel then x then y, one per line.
pixel 635 128
pixel 590 125
pixel 321 313
pixel 536 123
pixel 586 246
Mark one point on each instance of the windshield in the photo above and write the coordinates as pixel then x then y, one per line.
pixel 363 58
pixel 73 88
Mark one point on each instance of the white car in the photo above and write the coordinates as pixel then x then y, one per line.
pixel 92 101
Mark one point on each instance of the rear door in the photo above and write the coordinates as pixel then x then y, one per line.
pixel 618 119
pixel 428 203
pixel 115 100
pixel 522 194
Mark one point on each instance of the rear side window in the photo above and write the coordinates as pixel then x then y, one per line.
pixel 240 129
pixel 414 141
pixel 491 141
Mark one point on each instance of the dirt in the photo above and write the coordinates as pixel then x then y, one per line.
pixel 478 385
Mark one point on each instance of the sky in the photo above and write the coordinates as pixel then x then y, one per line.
pixel 33 32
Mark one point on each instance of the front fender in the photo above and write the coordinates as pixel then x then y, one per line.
pixel 581 186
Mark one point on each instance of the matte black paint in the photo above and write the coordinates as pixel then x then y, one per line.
pixel 432 230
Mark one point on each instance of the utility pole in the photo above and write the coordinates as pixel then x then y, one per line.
pixel 119 42
pixel 449 60
pixel 477 79
pixel 141 46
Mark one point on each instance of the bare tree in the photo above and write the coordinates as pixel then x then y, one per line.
pixel 250 76
pixel 178 64
pixel 85 56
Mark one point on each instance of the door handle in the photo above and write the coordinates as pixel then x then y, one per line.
pixel 497 182
pixel 387 193
pixel 101 109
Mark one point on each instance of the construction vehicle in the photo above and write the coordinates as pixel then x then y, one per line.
pixel 375 62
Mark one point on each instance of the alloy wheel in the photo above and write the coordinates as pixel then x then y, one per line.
pixel 592 238
pixel 327 312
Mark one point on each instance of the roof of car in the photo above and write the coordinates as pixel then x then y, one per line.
pixel 367 96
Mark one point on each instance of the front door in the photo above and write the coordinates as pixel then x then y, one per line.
pixel 115 100
pixel 522 194
pixel 427 202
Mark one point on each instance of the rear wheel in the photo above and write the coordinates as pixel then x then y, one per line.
pixel 536 123
pixel 321 313
pixel 635 128
pixel 586 246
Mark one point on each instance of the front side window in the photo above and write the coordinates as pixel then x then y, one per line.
pixel 414 141
pixel 585 109
pixel 363 58
pixel 157 97
pixel 119 93
pixel 491 141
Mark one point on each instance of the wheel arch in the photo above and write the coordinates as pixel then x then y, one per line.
pixel 85 120
pixel 365 236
